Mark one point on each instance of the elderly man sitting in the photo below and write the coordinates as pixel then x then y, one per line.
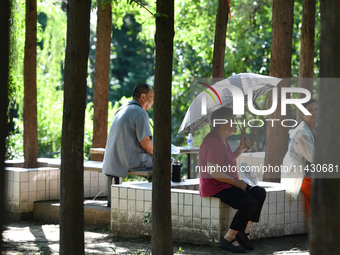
pixel 129 143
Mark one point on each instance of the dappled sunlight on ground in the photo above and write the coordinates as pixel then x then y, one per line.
pixel 17 234
pixel 30 237
pixel 291 252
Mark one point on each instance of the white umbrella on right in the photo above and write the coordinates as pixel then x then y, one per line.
pixel 223 94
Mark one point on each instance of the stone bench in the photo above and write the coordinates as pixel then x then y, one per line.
pixel 202 220
pixel 98 153
pixel 97 166
pixel 24 186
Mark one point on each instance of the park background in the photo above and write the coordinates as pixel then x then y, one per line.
pixel 248 49
pixel 195 28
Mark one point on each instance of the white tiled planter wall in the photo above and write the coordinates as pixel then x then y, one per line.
pixel 25 186
pixel 202 220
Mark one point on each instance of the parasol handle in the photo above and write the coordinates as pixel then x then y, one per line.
pixel 249 148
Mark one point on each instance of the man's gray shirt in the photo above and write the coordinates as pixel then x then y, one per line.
pixel 123 151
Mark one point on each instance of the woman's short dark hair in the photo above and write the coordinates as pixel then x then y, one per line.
pixel 222 113
pixel 141 89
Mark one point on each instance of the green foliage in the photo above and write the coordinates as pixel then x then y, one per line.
pixel 50 58
pixel 142 10
pixel 249 37
pixel 88 130
pixel 141 4
pixel 147 217
pixel 195 26
pixel 132 60
pixel 14 142
pixel 247 48
pixel 17 43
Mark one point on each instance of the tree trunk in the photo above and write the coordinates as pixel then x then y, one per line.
pixel 220 39
pixel 307 43
pixel 72 170
pixel 280 66
pixel 4 31
pixel 325 232
pixel 161 199
pixel 101 81
pixel 30 86
pixel 306 71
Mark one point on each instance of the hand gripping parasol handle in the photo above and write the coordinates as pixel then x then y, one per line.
pixel 249 148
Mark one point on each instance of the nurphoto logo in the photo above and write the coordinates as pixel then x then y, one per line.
pixel 238 100
pixel 238 104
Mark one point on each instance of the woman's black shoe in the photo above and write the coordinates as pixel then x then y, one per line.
pixel 242 238
pixel 225 245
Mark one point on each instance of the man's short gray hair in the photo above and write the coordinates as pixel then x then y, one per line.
pixel 140 89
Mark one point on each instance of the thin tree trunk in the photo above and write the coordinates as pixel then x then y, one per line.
pixel 306 71
pixel 4 31
pixel 72 170
pixel 220 39
pixel 101 81
pixel 30 86
pixel 280 66
pixel 161 200
pixel 307 43
pixel 325 231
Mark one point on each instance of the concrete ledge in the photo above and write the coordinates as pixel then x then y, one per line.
pixel 46 211
pixel 24 186
pixel 95 212
pixel 202 220
pixel 19 216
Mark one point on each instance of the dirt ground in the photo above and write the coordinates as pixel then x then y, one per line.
pixel 30 237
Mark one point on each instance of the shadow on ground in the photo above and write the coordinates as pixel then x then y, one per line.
pixel 31 237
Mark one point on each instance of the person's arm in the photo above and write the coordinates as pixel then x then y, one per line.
pixel 147 145
pixel 244 143
pixel 222 177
